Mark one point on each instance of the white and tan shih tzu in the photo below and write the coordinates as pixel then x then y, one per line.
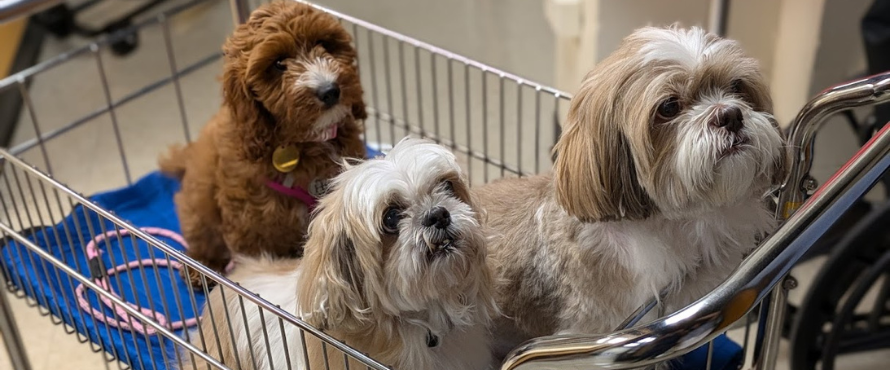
pixel 660 181
pixel 394 266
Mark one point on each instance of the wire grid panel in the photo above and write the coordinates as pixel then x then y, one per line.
pixel 498 125
pixel 144 339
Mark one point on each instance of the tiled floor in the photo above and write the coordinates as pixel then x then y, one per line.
pixel 508 34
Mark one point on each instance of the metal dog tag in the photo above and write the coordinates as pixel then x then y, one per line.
pixel 289 181
pixel 318 188
pixel 286 158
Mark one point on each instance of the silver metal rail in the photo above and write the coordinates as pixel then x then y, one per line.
pixel 758 275
pixel 12 9
pixel 802 132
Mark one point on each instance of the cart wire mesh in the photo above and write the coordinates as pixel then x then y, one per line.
pixel 497 123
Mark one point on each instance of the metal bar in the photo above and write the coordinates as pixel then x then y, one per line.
pixel 228 317
pixel 775 318
pixel 502 129
pixel 23 285
pixel 711 315
pixel 58 281
pixel 43 304
pixel 26 98
pixel 802 132
pixel 537 130
pixel 171 60
pixel 638 315
pixel 430 48
pixel 403 85
pixel 78 267
pixel 109 102
pixel 9 331
pixel 247 332
pixel 434 78
pixel 417 83
pixel 91 285
pixel 710 355
pixel 388 78
pixel 126 99
pixel 42 231
pixel 451 124
pixel 358 68
pixel 240 11
pixel 284 344
pixel 460 148
pixel 186 261
pixel 485 126
pixel 468 113
pixel 13 9
pixel 373 92
pixel 266 338
pixel 518 128
pixel 719 17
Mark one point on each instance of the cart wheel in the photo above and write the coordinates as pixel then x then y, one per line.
pixel 126 38
pixel 827 324
pixel 58 20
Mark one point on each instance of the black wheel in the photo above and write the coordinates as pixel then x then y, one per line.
pixel 58 20
pixel 126 39
pixel 827 324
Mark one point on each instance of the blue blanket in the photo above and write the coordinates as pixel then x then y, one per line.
pixel 149 203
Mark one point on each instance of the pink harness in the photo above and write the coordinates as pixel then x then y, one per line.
pixel 294 192
pixel 100 277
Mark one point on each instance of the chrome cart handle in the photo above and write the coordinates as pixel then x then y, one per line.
pixel 698 323
pixel 12 9
pixel 802 132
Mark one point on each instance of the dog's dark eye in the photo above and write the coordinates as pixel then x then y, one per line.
pixel 448 186
pixel 736 86
pixel 391 218
pixel 280 65
pixel 669 108
pixel 325 44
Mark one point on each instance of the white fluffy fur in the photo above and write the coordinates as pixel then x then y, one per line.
pixel 380 293
pixel 318 72
pixel 637 203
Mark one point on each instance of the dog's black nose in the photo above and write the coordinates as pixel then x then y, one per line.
pixel 329 94
pixel 729 118
pixel 438 216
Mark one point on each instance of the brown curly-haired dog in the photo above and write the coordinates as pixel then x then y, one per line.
pixel 290 80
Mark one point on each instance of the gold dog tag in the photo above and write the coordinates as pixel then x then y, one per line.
pixel 286 158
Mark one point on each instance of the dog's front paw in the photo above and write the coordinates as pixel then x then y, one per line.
pixel 195 278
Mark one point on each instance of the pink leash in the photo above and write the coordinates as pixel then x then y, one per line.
pixel 100 277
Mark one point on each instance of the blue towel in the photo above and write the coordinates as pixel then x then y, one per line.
pixel 146 203
pixel 149 203
pixel 727 355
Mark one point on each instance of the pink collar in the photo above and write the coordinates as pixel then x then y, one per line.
pixel 295 192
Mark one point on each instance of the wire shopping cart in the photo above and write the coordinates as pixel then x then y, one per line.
pixel 498 125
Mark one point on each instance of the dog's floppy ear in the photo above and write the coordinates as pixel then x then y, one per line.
pixel 331 291
pixel 251 120
pixel 358 111
pixel 595 175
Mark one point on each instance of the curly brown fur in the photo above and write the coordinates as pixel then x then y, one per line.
pixel 273 69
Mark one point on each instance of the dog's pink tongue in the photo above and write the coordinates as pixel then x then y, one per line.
pixel 332 133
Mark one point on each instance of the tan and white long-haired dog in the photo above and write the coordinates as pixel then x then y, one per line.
pixel 659 183
pixel 394 266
